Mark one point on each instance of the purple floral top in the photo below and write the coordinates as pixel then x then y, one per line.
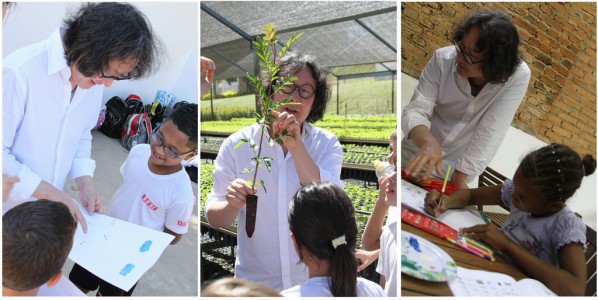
pixel 542 237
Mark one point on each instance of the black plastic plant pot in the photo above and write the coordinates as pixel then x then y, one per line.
pixel 251 205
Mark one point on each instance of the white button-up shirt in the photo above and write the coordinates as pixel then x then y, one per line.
pixel 469 129
pixel 45 134
pixel 269 256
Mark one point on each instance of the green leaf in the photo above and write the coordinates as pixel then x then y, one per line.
pixel 284 133
pixel 241 142
pixel 279 141
pixel 246 170
pixel 261 183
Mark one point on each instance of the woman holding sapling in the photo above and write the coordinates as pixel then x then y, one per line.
pixel 304 153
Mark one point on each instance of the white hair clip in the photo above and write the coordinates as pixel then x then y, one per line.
pixel 339 241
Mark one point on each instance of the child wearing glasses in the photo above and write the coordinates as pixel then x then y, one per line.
pixel 156 191
pixel 307 154
pixel 465 100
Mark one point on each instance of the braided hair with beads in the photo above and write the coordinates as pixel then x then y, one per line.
pixel 557 170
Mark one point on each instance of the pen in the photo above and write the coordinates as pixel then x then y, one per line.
pixel 448 171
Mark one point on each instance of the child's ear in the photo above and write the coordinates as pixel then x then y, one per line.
pixel 54 279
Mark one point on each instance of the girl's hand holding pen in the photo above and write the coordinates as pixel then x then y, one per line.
pixel 436 203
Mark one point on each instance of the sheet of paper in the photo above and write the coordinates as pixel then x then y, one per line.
pixel 413 196
pixel 461 218
pixel 491 284
pixel 117 251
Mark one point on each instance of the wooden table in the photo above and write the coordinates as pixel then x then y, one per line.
pixel 411 286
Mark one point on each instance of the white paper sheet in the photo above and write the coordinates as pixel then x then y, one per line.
pixel 491 284
pixel 413 196
pixel 117 251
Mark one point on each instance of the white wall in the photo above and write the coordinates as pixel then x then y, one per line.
pixel 512 150
pixel 175 23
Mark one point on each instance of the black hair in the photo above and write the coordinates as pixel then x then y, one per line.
pixel 318 214
pixel 557 170
pixel 100 32
pixel 37 237
pixel 185 119
pixel 499 37
pixel 293 62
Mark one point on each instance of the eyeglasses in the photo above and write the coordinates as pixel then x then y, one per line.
pixel 117 78
pixel 305 91
pixel 169 153
pixel 467 57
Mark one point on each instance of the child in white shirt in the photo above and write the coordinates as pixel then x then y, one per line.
pixel 324 233
pixel 156 191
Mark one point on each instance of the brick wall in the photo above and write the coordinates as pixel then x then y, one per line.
pixel 558 42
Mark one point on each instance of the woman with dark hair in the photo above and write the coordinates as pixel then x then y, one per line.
pixel 52 96
pixel 465 101
pixel 307 154
pixel 324 234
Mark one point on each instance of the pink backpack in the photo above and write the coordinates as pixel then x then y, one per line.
pixel 137 129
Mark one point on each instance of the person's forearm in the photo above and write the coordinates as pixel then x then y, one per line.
pixel 221 214
pixel 83 180
pixel 370 239
pixel 307 170
pixel 47 191
pixel 556 279
pixel 420 135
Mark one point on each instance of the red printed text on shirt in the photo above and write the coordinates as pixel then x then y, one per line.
pixel 181 223
pixel 149 203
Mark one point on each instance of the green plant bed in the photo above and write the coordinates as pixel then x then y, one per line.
pixel 354 127
pixel 352 153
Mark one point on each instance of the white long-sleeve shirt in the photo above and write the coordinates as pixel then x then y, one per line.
pixel 268 256
pixel 45 134
pixel 469 129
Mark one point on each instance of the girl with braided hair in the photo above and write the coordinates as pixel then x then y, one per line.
pixel 324 233
pixel 541 234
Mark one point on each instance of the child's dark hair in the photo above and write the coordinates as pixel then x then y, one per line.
pixel 291 63
pixel 320 213
pixel 499 37
pixel 37 237
pixel 557 170
pixel 185 119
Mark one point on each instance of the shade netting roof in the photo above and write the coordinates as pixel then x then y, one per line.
pixel 349 38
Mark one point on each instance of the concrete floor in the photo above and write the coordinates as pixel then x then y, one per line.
pixel 508 157
pixel 175 273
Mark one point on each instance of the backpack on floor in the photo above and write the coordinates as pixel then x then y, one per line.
pixel 136 130
pixel 133 104
pixel 114 117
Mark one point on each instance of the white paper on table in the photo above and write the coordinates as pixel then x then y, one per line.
pixel 413 196
pixel 117 251
pixel 483 283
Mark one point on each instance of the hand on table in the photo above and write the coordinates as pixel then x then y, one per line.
pixel 428 156
pixel 489 234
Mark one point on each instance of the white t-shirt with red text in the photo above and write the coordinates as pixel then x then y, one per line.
pixel 151 200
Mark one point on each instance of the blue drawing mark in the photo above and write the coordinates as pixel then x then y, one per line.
pixel 414 244
pixel 145 247
pixel 127 269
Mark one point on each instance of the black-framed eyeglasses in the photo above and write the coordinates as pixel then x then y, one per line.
pixel 467 57
pixel 305 91
pixel 169 153
pixel 117 78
